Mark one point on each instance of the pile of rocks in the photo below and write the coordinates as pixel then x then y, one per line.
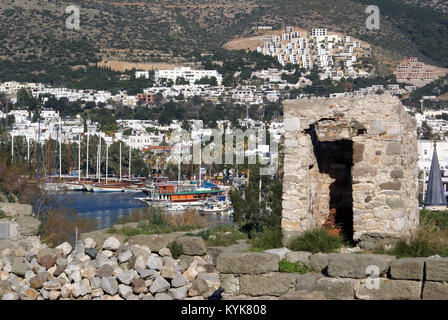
pixel 107 270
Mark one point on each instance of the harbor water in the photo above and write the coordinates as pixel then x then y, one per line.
pixel 108 207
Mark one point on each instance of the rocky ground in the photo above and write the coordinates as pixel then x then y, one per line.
pixel 115 271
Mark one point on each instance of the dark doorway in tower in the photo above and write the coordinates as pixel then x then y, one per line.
pixel 335 159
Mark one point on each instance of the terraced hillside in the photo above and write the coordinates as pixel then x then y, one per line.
pixel 37 46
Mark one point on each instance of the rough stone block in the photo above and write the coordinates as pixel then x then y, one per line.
pixel 437 269
pixel 388 289
pixel 275 284
pixel 336 288
pixel 247 262
pixel 332 288
pixel 192 246
pixel 356 265
pixel 302 257
pixel 4 230
pixel 155 242
pixel 408 269
pixel 319 261
pixel 16 209
pixel 435 291
pixel 29 226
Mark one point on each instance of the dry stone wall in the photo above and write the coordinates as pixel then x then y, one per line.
pixel 357 155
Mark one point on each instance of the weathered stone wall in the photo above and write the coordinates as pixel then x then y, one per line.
pixel 334 277
pixel 18 226
pixel 383 168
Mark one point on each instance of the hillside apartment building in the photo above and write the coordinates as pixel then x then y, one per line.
pixel 334 55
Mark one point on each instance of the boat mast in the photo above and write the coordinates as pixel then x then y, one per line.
pixel 38 149
pixel 28 149
pixel 59 153
pixel 12 148
pixel 99 160
pixel 79 158
pixel 69 156
pixel 49 158
pixel 87 163
pixel 120 161
pixel 107 160
pixel 130 157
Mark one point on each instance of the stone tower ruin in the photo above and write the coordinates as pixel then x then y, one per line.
pixel 355 157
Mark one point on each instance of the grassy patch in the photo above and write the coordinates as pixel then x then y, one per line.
pixel 268 239
pixel 2 214
pixel 176 249
pixel 157 223
pixel 315 241
pixel 292 267
pixel 431 238
pixel 226 235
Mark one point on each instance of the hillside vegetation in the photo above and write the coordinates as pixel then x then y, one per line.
pixel 37 46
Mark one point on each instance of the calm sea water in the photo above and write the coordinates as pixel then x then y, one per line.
pixel 106 208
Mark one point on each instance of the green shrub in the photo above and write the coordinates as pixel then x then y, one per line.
pixel 292 267
pixel 317 240
pixel 416 248
pixel 175 248
pixel 436 218
pixel 268 239
pixel 2 214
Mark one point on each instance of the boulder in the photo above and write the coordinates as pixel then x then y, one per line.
pixel 139 286
pixel 65 248
pixel 47 261
pixel 19 267
pixel 165 252
pixel 109 285
pixel 178 281
pixel 112 244
pixel 126 276
pixel 99 237
pixel 79 289
pixel 125 291
pixel 247 262
pixel 178 293
pixel 124 256
pixel 162 296
pixel 154 263
pixel 89 243
pixel 91 252
pixel 192 246
pixel 159 285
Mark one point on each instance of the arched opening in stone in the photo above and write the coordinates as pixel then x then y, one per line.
pixel 333 173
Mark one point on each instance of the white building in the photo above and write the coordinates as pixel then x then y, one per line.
pixel 188 74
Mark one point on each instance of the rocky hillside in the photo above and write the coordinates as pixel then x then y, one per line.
pixel 36 43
